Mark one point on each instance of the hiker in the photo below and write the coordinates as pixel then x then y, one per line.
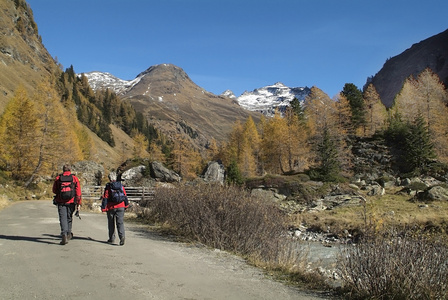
pixel 114 202
pixel 67 190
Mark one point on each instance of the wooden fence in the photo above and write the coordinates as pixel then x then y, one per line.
pixel 91 192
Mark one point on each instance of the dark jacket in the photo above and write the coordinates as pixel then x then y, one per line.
pixel 107 204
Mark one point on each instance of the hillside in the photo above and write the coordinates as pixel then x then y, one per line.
pixel 24 61
pixel 23 58
pixel 430 53
pixel 172 102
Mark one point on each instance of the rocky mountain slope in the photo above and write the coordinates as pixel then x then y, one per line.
pixel 430 53
pixel 23 58
pixel 172 102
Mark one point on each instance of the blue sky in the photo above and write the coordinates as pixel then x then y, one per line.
pixel 238 44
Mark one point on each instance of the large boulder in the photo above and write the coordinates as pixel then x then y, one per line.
pixel 215 172
pixel 88 172
pixel 160 173
pixel 133 176
pixel 438 193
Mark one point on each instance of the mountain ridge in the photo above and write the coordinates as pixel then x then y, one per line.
pixel 429 53
pixel 172 102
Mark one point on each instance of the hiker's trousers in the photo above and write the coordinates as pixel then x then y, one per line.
pixel 66 217
pixel 115 217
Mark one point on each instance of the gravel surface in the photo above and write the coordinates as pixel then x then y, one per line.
pixel 148 266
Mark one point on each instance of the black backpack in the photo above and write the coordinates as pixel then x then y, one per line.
pixel 116 192
pixel 66 187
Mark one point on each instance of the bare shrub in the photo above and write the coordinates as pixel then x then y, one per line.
pixel 396 265
pixel 227 218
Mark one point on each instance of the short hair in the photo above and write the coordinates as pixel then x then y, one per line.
pixel 112 176
pixel 66 168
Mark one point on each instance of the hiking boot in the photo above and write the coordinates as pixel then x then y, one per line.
pixel 110 241
pixel 122 241
pixel 64 240
pixel 69 236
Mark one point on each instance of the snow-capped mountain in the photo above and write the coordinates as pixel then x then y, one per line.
pixel 228 94
pixel 269 98
pixel 264 100
pixel 104 80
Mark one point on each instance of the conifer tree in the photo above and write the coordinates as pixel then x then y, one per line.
pixel 426 96
pixel 376 112
pixel 419 148
pixel 141 145
pixel 344 114
pixel 327 156
pixel 233 174
pixel 19 127
pixel 354 97
pixel 155 152
pixel 186 161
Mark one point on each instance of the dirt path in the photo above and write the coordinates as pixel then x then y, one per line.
pixel 35 266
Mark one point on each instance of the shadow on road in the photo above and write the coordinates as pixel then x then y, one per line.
pixel 47 239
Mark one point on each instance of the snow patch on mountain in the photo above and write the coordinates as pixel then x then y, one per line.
pixel 104 80
pixel 228 94
pixel 269 98
pixel 265 100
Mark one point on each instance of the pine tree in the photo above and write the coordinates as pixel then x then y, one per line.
pixel 327 156
pixel 419 148
pixel 233 174
pixel 354 97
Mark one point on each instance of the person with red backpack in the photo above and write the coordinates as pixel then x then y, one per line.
pixel 114 202
pixel 67 188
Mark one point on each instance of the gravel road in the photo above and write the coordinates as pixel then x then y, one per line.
pixel 35 266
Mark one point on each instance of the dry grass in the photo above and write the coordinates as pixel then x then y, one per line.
pixel 390 210
pixel 396 264
pixel 4 202
pixel 228 218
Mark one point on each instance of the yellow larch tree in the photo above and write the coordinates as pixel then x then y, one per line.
pixel 155 152
pixel 344 113
pixel 141 145
pixel 323 115
pixel 19 128
pixel 186 160
pixel 426 96
pixel 376 114
pixel 56 140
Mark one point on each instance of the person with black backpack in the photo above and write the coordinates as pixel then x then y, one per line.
pixel 67 190
pixel 114 202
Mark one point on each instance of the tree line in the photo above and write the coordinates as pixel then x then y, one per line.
pixel 41 131
pixel 313 136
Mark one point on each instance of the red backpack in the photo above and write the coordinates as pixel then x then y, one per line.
pixel 66 187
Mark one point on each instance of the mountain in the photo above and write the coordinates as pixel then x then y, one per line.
pixel 269 98
pixel 172 102
pixel 430 53
pixel 23 58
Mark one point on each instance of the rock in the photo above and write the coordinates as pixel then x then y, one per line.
pixel 437 193
pixel 88 172
pixel 268 194
pixel 161 173
pixel 215 172
pixel 376 190
pixel 133 176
